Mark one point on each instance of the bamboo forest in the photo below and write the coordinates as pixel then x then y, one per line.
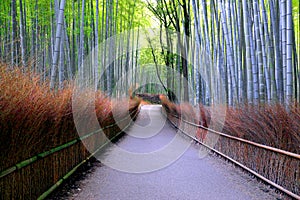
pixel 76 74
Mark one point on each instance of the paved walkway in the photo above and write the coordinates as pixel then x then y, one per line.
pixel 188 177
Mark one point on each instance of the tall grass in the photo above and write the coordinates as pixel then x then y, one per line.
pixel 273 125
pixel 34 119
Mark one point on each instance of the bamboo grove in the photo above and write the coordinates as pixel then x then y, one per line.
pixel 54 37
pixel 252 46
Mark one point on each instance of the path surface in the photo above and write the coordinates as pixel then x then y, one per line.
pixel 189 177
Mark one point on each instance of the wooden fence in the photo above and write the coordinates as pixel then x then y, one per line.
pixel 277 167
pixel 39 175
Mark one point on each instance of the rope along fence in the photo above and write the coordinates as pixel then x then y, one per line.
pixel 29 179
pixel 277 167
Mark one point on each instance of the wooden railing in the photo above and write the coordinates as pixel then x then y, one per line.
pixel 38 176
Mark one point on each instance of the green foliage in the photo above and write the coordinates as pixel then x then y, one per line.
pixel 42 10
pixel 146 57
pixel 296 18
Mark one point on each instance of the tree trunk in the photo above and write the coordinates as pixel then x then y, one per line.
pixel 259 54
pixel 229 52
pixel 283 42
pixel 81 43
pixel 184 51
pixel 289 50
pixel 13 30
pixel 22 36
pixel 278 66
pixel 59 28
pixel 96 46
pixel 61 64
pixel 248 54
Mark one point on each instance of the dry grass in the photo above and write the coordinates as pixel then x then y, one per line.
pixel 33 119
pixel 272 125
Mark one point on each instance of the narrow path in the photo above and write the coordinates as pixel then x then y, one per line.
pixel 188 177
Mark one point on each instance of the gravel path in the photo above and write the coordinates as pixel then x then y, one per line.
pixel 189 177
